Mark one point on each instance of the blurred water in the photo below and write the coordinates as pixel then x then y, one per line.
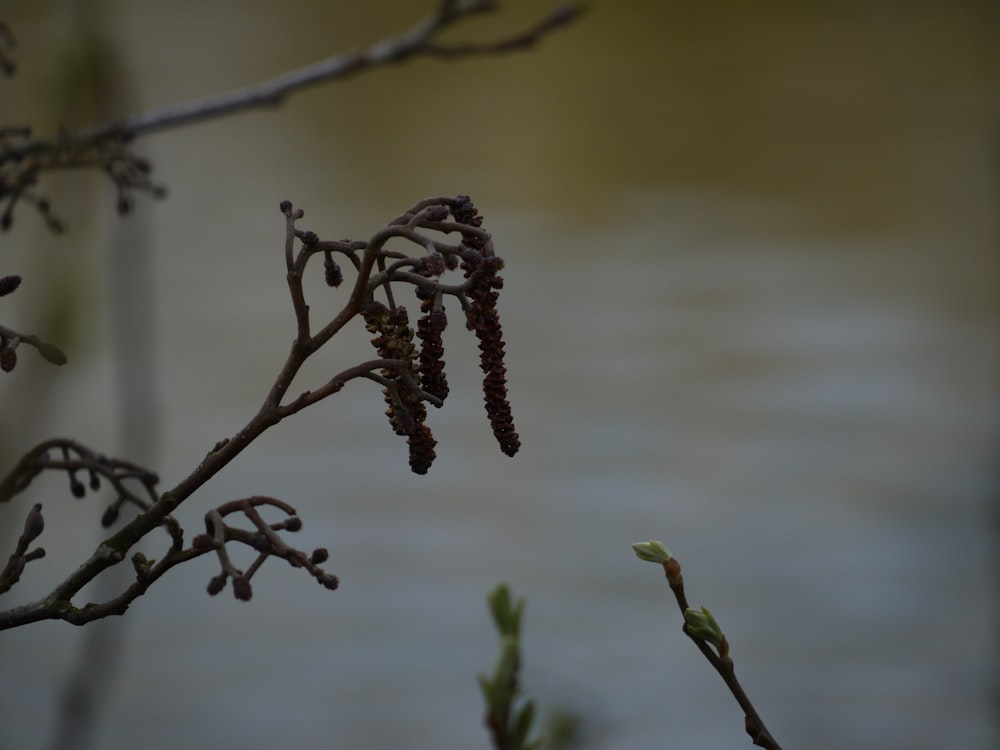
pixel 750 310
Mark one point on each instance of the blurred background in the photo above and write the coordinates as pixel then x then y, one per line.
pixel 751 310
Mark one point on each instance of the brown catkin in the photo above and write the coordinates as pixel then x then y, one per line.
pixel 430 329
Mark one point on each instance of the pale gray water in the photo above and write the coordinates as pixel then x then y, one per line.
pixel 750 310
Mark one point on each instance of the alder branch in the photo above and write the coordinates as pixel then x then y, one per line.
pixel 263 538
pixel 23 158
pixel 411 376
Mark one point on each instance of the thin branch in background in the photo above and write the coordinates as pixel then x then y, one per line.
pixel 108 146
pixel 701 627
pixel 62 454
pixel 557 18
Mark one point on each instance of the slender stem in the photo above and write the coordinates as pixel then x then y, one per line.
pixel 723 664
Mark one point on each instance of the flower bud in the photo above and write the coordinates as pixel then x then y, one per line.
pixel 8 359
pixel 329 580
pixel 216 584
pixel 34 524
pixel 242 589
pixel 110 515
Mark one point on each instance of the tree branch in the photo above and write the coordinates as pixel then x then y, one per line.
pixel 417 41
pixel 410 378
pixel 270 93
pixel 23 158
pixel 700 626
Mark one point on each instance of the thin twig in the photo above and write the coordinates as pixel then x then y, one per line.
pixel 107 146
pixel 76 457
pixel 705 633
pixel 417 41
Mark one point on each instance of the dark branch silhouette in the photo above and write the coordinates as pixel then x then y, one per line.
pixel 409 381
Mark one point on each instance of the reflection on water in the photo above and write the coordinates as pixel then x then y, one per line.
pixel 751 310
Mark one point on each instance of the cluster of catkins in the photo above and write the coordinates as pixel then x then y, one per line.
pixel 424 370
pixel 407 412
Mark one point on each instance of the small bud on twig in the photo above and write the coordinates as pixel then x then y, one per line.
pixel 216 584
pixel 34 524
pixel 110 515
pixel 242 589
pixel 8 359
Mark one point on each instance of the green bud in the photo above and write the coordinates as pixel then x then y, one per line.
pixel 506 614
pixel 701 624
pixel 141 564
pixel 499 601
pixel 652 552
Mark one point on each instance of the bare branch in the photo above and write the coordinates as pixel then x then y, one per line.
pixel 415 42
pixel 23 158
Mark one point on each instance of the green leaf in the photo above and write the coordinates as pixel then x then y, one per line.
pixel 702 625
